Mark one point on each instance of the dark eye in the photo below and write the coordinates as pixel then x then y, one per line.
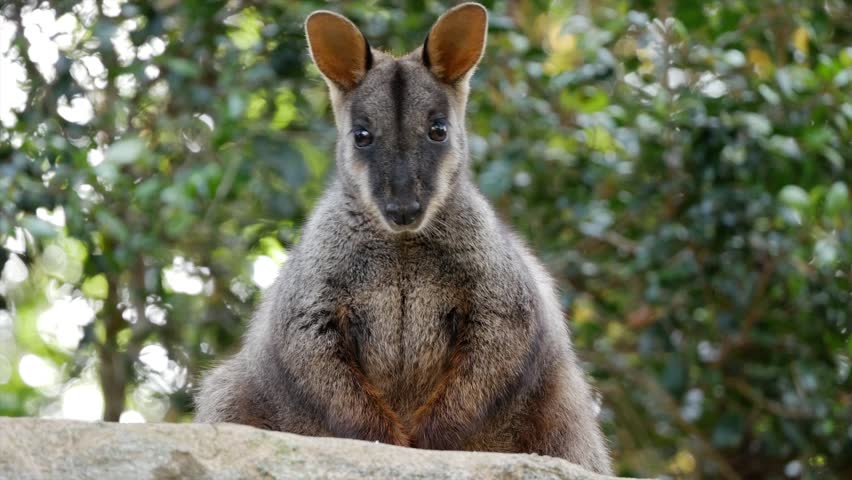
pixel 438 131
pixel 363 138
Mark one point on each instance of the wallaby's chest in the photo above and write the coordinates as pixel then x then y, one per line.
pixel 405 310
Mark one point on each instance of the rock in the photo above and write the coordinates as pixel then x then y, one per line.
pixel 58 449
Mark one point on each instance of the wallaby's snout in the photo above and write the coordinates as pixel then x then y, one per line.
pixel 402 140
pixel 403 207
pixel 403 213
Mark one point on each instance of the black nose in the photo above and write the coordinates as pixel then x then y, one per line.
pixel 403 213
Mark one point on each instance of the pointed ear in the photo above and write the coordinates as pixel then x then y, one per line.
pixel 338 49
pixel 456 42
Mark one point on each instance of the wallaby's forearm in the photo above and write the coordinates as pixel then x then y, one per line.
pixel 351 407
pixel 484 370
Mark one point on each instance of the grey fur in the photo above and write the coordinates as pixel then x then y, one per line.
pixel 445 336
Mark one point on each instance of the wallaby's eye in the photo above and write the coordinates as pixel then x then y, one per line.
pixel 438 131
pixel 363 138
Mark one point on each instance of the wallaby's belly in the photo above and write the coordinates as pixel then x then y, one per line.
pixel 403 339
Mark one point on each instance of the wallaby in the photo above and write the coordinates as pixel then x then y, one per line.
pixel 408 313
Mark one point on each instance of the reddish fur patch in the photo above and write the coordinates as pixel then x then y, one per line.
pixel 429 433
pixel 387 419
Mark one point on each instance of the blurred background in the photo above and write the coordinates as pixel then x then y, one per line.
pixel 682 167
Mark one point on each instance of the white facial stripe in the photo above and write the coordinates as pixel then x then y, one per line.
pixel 357 173
pixel 363 180
pixel 448 165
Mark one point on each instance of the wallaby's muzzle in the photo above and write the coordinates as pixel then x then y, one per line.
pixel 402 207
pixel 403 213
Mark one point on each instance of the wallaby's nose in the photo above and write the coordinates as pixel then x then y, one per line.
pixel 403 213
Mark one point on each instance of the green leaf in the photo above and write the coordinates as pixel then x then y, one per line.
pixel 292 166
pixel 38 227
pixel 728 431
pixel 183 67
pixel 124 151
pixel 496 179
pixel 95 287
pixel 111 225
pixel 794 196
pixel 837 199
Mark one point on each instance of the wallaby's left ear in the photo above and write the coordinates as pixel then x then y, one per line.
pixel 456 42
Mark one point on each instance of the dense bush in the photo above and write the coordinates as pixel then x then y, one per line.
pixel 682 167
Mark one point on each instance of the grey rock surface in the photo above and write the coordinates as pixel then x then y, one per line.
pixel 57 449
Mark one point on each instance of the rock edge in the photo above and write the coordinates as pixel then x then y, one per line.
pixel 33 448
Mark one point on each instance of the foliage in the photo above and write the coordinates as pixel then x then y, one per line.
pixel 683 169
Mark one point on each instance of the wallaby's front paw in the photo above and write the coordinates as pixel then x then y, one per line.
pixel 391 432
pixel 399 437
pixel 433 434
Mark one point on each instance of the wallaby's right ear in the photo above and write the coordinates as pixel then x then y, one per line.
pixel 338 49
pixel 456 42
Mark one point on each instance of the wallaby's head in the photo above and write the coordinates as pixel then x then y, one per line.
pixel 400 121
